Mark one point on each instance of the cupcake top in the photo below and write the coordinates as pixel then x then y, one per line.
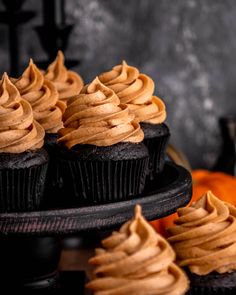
pixel 18 131
pixel 42 96
pixel 204 237
pixel 136 260
pixel 136 90
pixel 96 117
pixel 68 83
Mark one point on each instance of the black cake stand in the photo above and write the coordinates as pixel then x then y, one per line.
pixel 30 241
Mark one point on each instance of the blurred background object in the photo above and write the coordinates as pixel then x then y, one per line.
pixel 13 17
pixel 226 161
pixel 54 33
pixel 178 157
pixel 187 48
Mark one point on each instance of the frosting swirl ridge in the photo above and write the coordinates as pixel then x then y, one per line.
pixel 204 237
pixel 68 83
pixel 18 131
pixel 136 260
pixel 43 97
pixel 96 117
pixel 136 90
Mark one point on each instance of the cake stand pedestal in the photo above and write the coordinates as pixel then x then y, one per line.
pixel 29 241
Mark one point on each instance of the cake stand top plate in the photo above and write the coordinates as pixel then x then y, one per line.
pixel 170 190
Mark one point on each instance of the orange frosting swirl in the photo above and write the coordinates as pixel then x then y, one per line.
pixel 135 90
pixel 136 260
pixel 95 117
pixel 68 83
pixel 18 131
pixel 43 97
pixel 204 237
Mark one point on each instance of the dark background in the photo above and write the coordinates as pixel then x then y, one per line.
pixel 187 46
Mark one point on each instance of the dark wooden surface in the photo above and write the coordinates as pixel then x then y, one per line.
pixel 162 197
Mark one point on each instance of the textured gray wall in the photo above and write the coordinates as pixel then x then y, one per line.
pixel 187 46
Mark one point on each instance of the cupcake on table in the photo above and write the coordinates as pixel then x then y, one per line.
pixel 136 260
pixel 204 239
pixel 23 161
pixel 102 155
pixel 68 83
pixel 136 90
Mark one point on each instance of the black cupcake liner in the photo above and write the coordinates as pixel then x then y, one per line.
pixel 211 291
pixel 102 181
pixel 54 196
pixel 156 137
pixel 156 148
pixel 22 189
pixel 213 283
pixel 53 184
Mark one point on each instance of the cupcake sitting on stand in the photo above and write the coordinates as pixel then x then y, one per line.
pixel 47 111
pixel 23 161
pixel 136 90
pixel 102 156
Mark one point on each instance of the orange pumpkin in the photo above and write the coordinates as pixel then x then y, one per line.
pixel 221 184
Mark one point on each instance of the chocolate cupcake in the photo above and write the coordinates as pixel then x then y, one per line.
pixel 23 162
pixel 204 240
pixel 136 260
pixel 68 83
pixel 136 90
pixel 102 158
pixel 47 110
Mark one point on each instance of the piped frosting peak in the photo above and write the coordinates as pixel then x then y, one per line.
pixel 136 260
pixel 18 131
pixel 42 96
pixel 136 90
pixel 68 83
pixel 204 237
pixel 96 117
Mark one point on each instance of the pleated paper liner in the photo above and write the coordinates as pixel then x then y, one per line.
pixel 53 183
pixel 54 193
pixel 96 182
pixel 22 189
pixel 212 284
pixel 211 291
pixel 156 147
pixel 156 139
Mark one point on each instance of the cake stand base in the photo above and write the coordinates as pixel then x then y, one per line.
pixel 29 262
pixel 30 247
